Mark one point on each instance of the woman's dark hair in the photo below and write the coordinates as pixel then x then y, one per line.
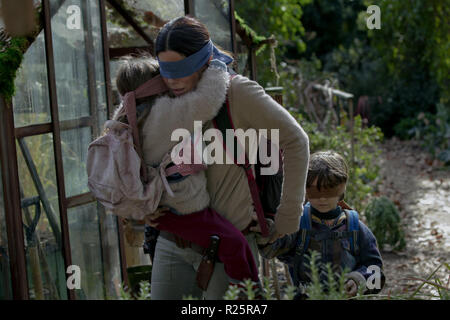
pixel 330 169
pixel 185 35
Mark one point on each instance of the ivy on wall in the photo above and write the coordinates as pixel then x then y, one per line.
pixel 11 56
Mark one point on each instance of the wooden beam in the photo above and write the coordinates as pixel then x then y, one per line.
pixel 189 7
pixel 79 200
pixel 11 197
pixel 233 27
pixel 57 149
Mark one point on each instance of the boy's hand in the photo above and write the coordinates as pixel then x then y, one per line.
pixel 150 218
pixel 351 288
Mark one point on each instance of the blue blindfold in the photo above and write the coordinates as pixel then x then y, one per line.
pixel 193 63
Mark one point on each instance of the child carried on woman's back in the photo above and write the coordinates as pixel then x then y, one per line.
pixel 186 195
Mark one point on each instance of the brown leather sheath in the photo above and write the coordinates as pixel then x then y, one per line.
pixel 204 273
pixel 206 267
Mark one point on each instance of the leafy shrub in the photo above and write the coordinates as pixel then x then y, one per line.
pixel 433 130
pixel 296 76
pixel 384 221
pixel 363 173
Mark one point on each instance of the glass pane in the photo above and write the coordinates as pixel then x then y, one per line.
pixel 110 253
pixel 215 14
pixel 40 214
pixel 70 55
pixel 243 66
pixel 162 10
pixel 102 108
pixel 155 13
pixel 74 152
pixel 120 33
pixel 151 14
pixel 5 275
pixel 98 260
pixel 80 84
pixel 31 101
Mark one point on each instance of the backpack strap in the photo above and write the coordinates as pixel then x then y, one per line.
pixel 222 122
pixel 152 87
pixel 305 231
pixel 353 228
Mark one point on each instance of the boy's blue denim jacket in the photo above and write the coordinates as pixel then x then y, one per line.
pixel 369 255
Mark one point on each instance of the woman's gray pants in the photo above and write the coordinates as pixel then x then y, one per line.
pixel 174 272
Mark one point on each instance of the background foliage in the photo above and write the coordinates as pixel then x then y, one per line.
pixel 403 67
pixel 363 172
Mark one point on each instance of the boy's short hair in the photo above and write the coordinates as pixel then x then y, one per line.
pixel 330 169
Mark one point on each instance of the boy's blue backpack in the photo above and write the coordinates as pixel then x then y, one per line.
pixel 305 231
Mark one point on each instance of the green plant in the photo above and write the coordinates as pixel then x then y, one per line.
pixel 143 294
pixel 11 56
pixel 384 220
pixel 243 290
pixel 289 292
pixel 316 289
pixel 144 290
pixel 363 172
pixel 280 17
pixel 232 293
pixel 124 293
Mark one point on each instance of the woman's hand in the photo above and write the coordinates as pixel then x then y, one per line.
pixel 273 234
pixel 150 218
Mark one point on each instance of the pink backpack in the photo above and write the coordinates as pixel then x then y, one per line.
pixel 117 176
pixel 114 176
pixel 115 167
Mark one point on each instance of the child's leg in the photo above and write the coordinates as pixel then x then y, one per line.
pixel 198 227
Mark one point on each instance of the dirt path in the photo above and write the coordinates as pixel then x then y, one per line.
pixel 421 190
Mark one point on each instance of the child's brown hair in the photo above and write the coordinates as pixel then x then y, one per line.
pixel 329 168
pixel 133 72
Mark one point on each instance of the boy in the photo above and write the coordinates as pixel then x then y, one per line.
pixel 337 234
